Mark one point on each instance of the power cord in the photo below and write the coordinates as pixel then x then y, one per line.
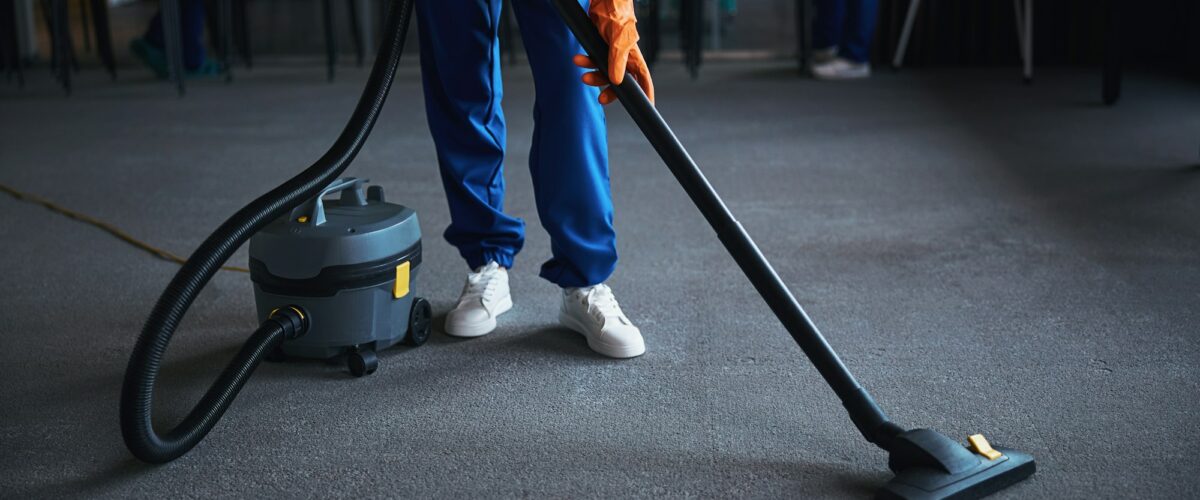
pixel 107 227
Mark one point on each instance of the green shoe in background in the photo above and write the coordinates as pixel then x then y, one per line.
pixel 208 68
pixel 153 57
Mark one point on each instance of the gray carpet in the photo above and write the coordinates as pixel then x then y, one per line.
pixel 988 257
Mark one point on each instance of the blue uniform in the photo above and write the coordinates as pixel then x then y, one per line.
pixel 848 24
pixel 460 65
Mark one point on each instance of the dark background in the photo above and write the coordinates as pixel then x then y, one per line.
pixel 1158 33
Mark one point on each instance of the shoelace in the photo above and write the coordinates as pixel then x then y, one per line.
pixel 482 285
pixel 599 301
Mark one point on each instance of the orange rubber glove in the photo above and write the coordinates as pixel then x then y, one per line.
pixel 618 26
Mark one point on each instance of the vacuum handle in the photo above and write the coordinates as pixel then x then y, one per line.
pixel 867 416
pixel 313 211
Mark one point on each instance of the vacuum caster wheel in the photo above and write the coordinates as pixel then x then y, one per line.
pixel 362 363
pixel 420 322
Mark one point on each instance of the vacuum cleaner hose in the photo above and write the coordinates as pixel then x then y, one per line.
pixel 137 392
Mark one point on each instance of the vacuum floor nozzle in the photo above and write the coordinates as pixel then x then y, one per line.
pixel 929 465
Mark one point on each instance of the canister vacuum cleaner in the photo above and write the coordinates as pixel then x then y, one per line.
pixel 331 277
pixel 347 267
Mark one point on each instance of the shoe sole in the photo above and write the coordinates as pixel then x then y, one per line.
pixel 610 350
pixel 482 328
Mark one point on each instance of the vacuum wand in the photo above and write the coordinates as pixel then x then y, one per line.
pixel 928 464
pixel 867 415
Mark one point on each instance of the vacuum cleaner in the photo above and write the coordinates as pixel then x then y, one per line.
pixel 320 266
pixel 348 266
pixel 332 277
pixel 927 464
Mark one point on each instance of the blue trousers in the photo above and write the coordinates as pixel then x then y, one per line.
pixel 848 24
pixel 568 161
pixel 192 19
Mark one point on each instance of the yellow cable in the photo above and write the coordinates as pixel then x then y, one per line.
pixel 111 229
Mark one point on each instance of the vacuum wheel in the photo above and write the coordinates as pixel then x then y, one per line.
pixel 420 322
pixel 362 363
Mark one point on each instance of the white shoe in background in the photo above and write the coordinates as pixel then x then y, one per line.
pixel 484 297
pixel 841 69
pixel 594 313
pixel 822 56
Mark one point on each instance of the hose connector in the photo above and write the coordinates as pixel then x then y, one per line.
pixel 292 319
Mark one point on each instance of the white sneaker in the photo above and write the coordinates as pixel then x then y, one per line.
pixel 841 69
pixel 594 312
pixel 484 297
pixel 822 56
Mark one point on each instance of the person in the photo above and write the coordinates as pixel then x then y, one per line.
pixel 842 31
pixel 568 160
pixel 149 47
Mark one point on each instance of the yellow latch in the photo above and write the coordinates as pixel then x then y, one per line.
pixel 302 219
pixel 980 445
pixel 400 288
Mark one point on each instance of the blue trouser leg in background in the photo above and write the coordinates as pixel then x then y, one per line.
pixel 568 159
pixel 827 24
pixel 860 25
pixel 847 24
pixel 192 19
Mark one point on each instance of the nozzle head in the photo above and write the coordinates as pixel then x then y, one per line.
pixel 929 465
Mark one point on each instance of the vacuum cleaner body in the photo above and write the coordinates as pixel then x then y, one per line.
pixel 349 264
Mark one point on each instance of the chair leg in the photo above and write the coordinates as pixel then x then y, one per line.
pixel 506 31
pixel 68 39
pixel 15 47
pixel 653 35
pixel 355 31
pixel 225 37
pixel 48 18
pixel 173 42
pixel 902 46
pixel 803 37
pixel 1028 41
pixel 58 29
pixel 1024 22
pixel 691 20
pixel 1110 84
pixel 241 33
pixel 85 25
pixel 103 36
pixel 330 42
pixel 9 53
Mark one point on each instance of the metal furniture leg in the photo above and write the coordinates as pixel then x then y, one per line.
pixel 241 34
pixel 1110 89
pixel 691 27
pixel 330 41
pixel 225 38
pixel 57 18
pixel 103 30
pixel 653 33
pixel 1028 41
pixel 1024 22
pixel 10 46
pixel 902 46
pixel 85 25
pixel 173 43
pixel 355 32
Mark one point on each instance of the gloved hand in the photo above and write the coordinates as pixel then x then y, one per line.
pixel 618 26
